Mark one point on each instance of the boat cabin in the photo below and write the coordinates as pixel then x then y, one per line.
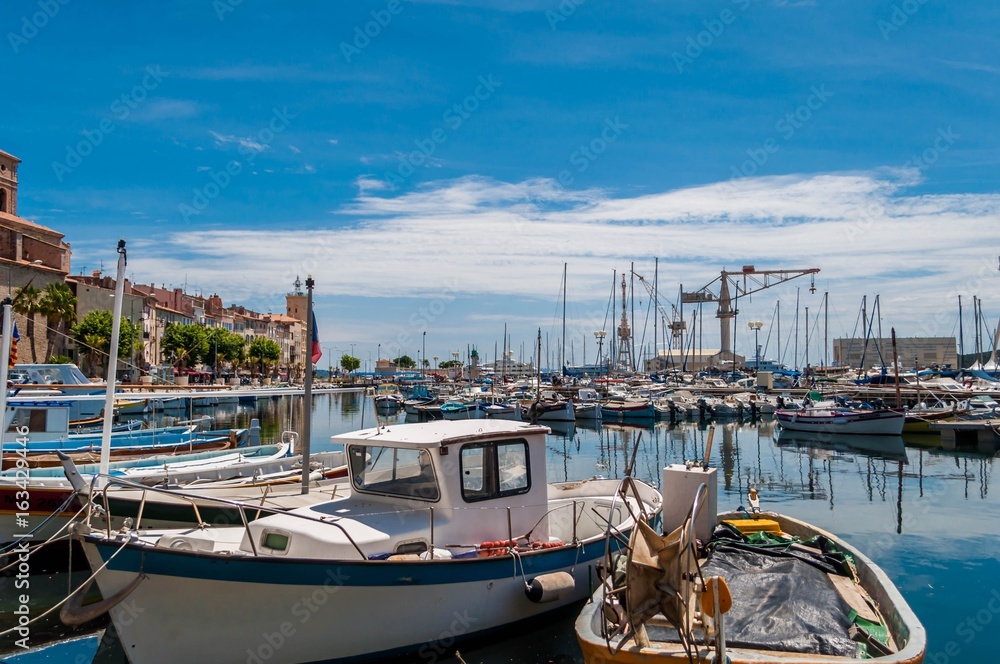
pixel 34 422
pixel 441 487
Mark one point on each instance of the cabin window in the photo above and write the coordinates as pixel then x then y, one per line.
pixel 32 418
pixel 393 471
pixel 494 470
pixel 274 541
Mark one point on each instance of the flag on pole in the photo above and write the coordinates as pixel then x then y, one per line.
pixel 14 338
pixel 317 351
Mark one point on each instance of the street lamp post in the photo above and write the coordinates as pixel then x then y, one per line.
pixel 755 325
pixel 599 335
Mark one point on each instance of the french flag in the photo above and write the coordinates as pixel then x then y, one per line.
pixel 317 351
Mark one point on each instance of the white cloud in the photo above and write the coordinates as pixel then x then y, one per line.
pixel 294 149
pixel 480 237
pixel 248 142
pixel 156 110
pixel 332 141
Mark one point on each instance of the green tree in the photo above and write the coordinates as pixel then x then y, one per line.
pixel 225 346
pixel 349 363
pixel 264 351
pixel 27 303
pixel 58 305
pixel 188 344
pixel 448 364
pixel 405 362
pixel 94 333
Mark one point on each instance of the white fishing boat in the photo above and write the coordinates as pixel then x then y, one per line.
pixel 387 397
pixel 746 587
pixel 880 422
pixel 449 529
pixel 51 494
pixel 587 405
pixel 39 427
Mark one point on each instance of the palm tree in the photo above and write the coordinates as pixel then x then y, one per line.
pixel 26 303
pixel 58 304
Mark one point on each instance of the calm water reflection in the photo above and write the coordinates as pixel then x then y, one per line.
pixel 927 517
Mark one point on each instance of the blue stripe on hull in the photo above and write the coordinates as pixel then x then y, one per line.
pixel 267 570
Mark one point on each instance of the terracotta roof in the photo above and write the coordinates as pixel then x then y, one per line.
pixel 6 218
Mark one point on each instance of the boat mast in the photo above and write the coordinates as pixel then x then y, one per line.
pixel 807 342
pixel 826 328
pixel 109 395
pixel 562 353
pixel 656 276
pixel 961 336
pixel 795 355
pixel 631 288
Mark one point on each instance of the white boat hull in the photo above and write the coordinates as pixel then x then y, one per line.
pixel 874 423
pixel 326 611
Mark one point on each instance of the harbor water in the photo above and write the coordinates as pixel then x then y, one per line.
pixel 926 516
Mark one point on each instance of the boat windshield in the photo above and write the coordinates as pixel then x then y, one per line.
pixel 393 471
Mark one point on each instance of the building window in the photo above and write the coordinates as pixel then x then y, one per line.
pixel 3 200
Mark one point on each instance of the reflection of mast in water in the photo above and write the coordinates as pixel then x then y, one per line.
pixel 899 499
pixel 812 486
pixel 984 485
pixel 920 482
pixel 829 476
pixel 728 457
pixel 603 462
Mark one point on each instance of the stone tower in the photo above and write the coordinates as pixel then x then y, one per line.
pixel 8 183
pixel 295 302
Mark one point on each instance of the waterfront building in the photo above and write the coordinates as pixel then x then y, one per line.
pixel 922 351
pixel 29 253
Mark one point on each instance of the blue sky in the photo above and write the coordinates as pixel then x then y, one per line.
pixel 435 173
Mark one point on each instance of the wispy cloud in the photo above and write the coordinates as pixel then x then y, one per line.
pixel 157 110
pixel 488 237
pixel 221 140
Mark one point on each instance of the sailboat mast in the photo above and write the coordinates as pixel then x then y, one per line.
pixel 961 336
pixel 826 328
pixel 656 313
pixel 562 355
pixel 795 356
pixel 807 339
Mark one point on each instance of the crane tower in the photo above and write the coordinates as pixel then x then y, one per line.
pixel 624 338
